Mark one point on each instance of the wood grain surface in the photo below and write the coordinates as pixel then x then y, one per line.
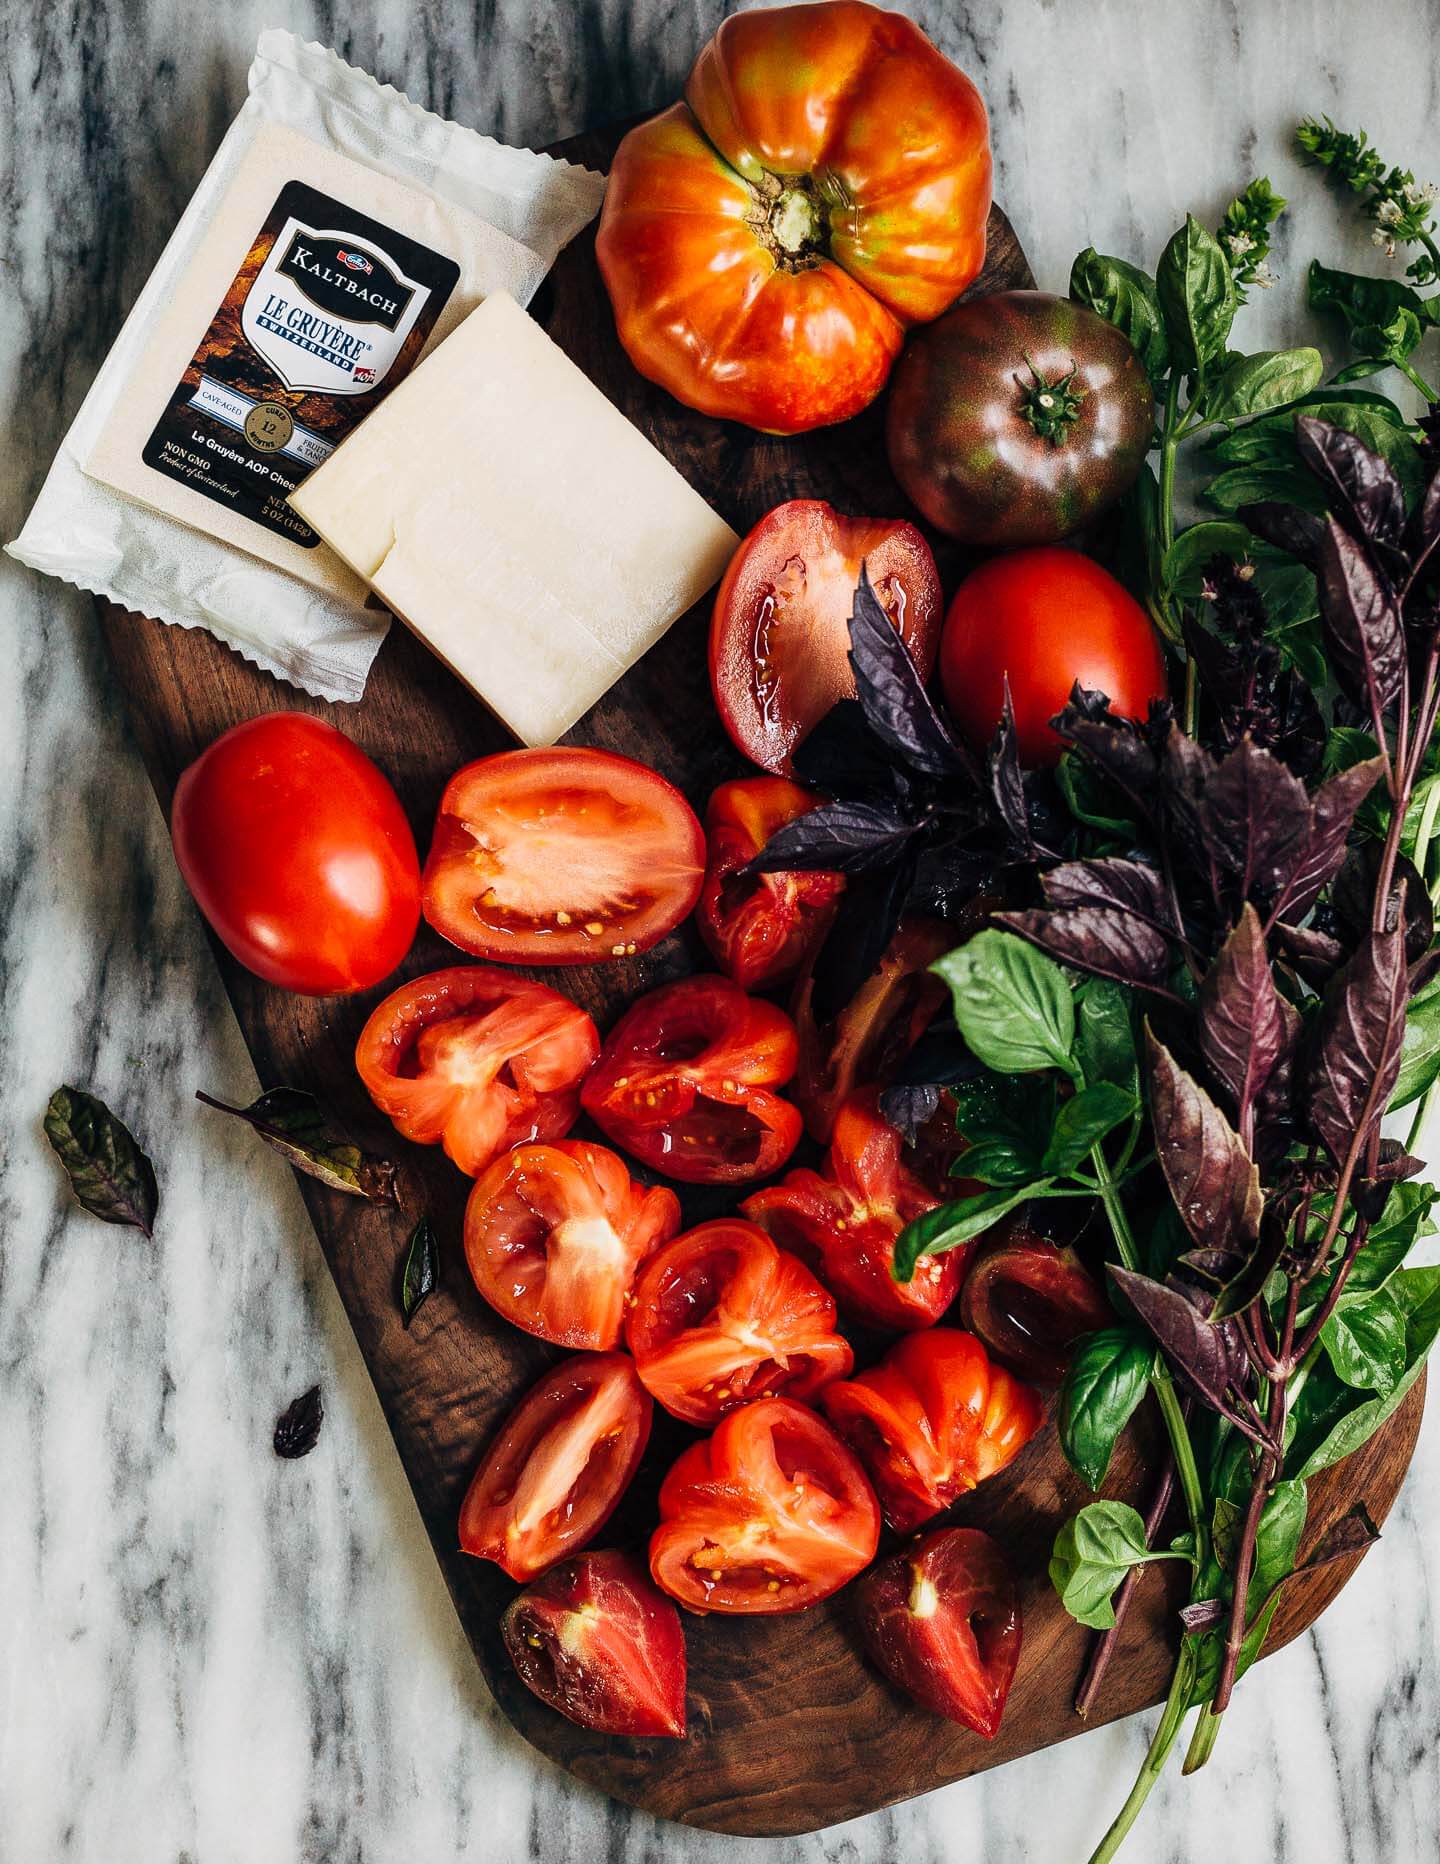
pixel 790 1729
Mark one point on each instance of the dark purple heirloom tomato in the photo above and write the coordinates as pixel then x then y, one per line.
pixel 1015 419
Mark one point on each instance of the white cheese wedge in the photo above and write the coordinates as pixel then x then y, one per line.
pixel 517 522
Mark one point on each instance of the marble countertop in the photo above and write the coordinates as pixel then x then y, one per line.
pixel 209 1655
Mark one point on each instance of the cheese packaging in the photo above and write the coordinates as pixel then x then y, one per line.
pixel 533 537
pixel 338 232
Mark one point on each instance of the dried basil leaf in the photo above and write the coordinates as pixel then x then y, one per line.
pixel 1212 1178
pixel 297 1429
pixel 420 1273
pixel 1357 1056
pixel 293 1122
pixel 109 1174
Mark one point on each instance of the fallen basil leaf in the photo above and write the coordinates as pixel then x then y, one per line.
pixel 1351 1535
pixel 420 1275
pixel 297 1429
pixel 109 1174
pixel 1108 1375
pixel 292 1121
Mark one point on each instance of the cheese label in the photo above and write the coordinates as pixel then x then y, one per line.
pixel 328 311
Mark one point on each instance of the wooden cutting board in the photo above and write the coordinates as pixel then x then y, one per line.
pixel 790 1730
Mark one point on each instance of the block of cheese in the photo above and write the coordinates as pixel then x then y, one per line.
pixel 517 522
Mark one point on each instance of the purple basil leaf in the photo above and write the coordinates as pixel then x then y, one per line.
pixel 1242 1033
pixel 1212 1178
pixel 1286 526
pixel 1255 816
pixel 1357 1052
pixel 1210 1354
pixel 889 687
pixel 1362 620
pixel 907 1108
pixel 864 924
pixel 1424 533
pixel 1350 1536
pixel 843 757
pixel 1185 773
pixel 1130 886
pixel 1100 940
pixel 947 876
pixel 1112 744
pixel 1359 484
pixel 1314 954
pixel 1395 1163
pixel 1276 1104
pixel 1332 811
pixel 1352 899
pixel 846 837
pixel 1007 784
pixel 1204 1615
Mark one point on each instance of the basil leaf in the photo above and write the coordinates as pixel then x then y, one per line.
pixel 948 1225
pixel 1124 296
pixel 1105 1035
pixel 1012 1004
pixel 1329 1424
pixel 1367 1343
pixel 1382 317
pixel 1091 801
pixel 294 1123
pixel 1082 1122
pixel 297 1429
pixel 1093 1552
pixel 1371 417
pixel 1262 482
pixel 1197 296
pixel 1108 1375
pixel 998 1161
pixel 1420 1047
pixel 1277 1540
pixel 109 1174
pixel 1257 384
pixel 420 1275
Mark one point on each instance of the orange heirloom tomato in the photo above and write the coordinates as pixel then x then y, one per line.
pixel 824 185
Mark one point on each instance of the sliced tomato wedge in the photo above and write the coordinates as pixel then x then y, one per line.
pixel 875 1031
pixel 932 1420
pixel 760 928
pixel 563 856
pixel 598 1641
pixel 554 1236
pixel 770 1514
pixel 780 636
pixel 941 1618
pixel 562 1460
pixel 843 1222
pixel 686 1083
pixel 1029 1302
pixel 477 1060
pixel 722 1316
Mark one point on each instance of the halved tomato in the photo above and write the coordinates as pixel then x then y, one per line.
pixel 844 1221
pixel 554 1236
pixel 780 637
pixel 1029 1302
pixel 941 1618
pixel 563 856
pixel 563 1458
pixel 477 1060
pixel 876 1030
pixel 760 927
pixel 597 1641
pixel 722 1316
pixel 686 1083
pixel 770 1514
pixel 932 1420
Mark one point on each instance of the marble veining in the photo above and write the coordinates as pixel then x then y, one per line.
pixel 208 1655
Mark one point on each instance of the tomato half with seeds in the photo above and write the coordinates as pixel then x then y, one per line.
pixel 687 1083
pixel 941 1618
pixel 477 1060
pixel 1029 1301
pixel 597 1640
pixel 779 635
pixel 555 1235
pixel 721 1316
pixel 555 1473
pixel 871 1036
pixel 844 1221
pixel 1043 619
pixel 563 856
pixel 931 1420
pixel 771 1513
pixel 760 928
